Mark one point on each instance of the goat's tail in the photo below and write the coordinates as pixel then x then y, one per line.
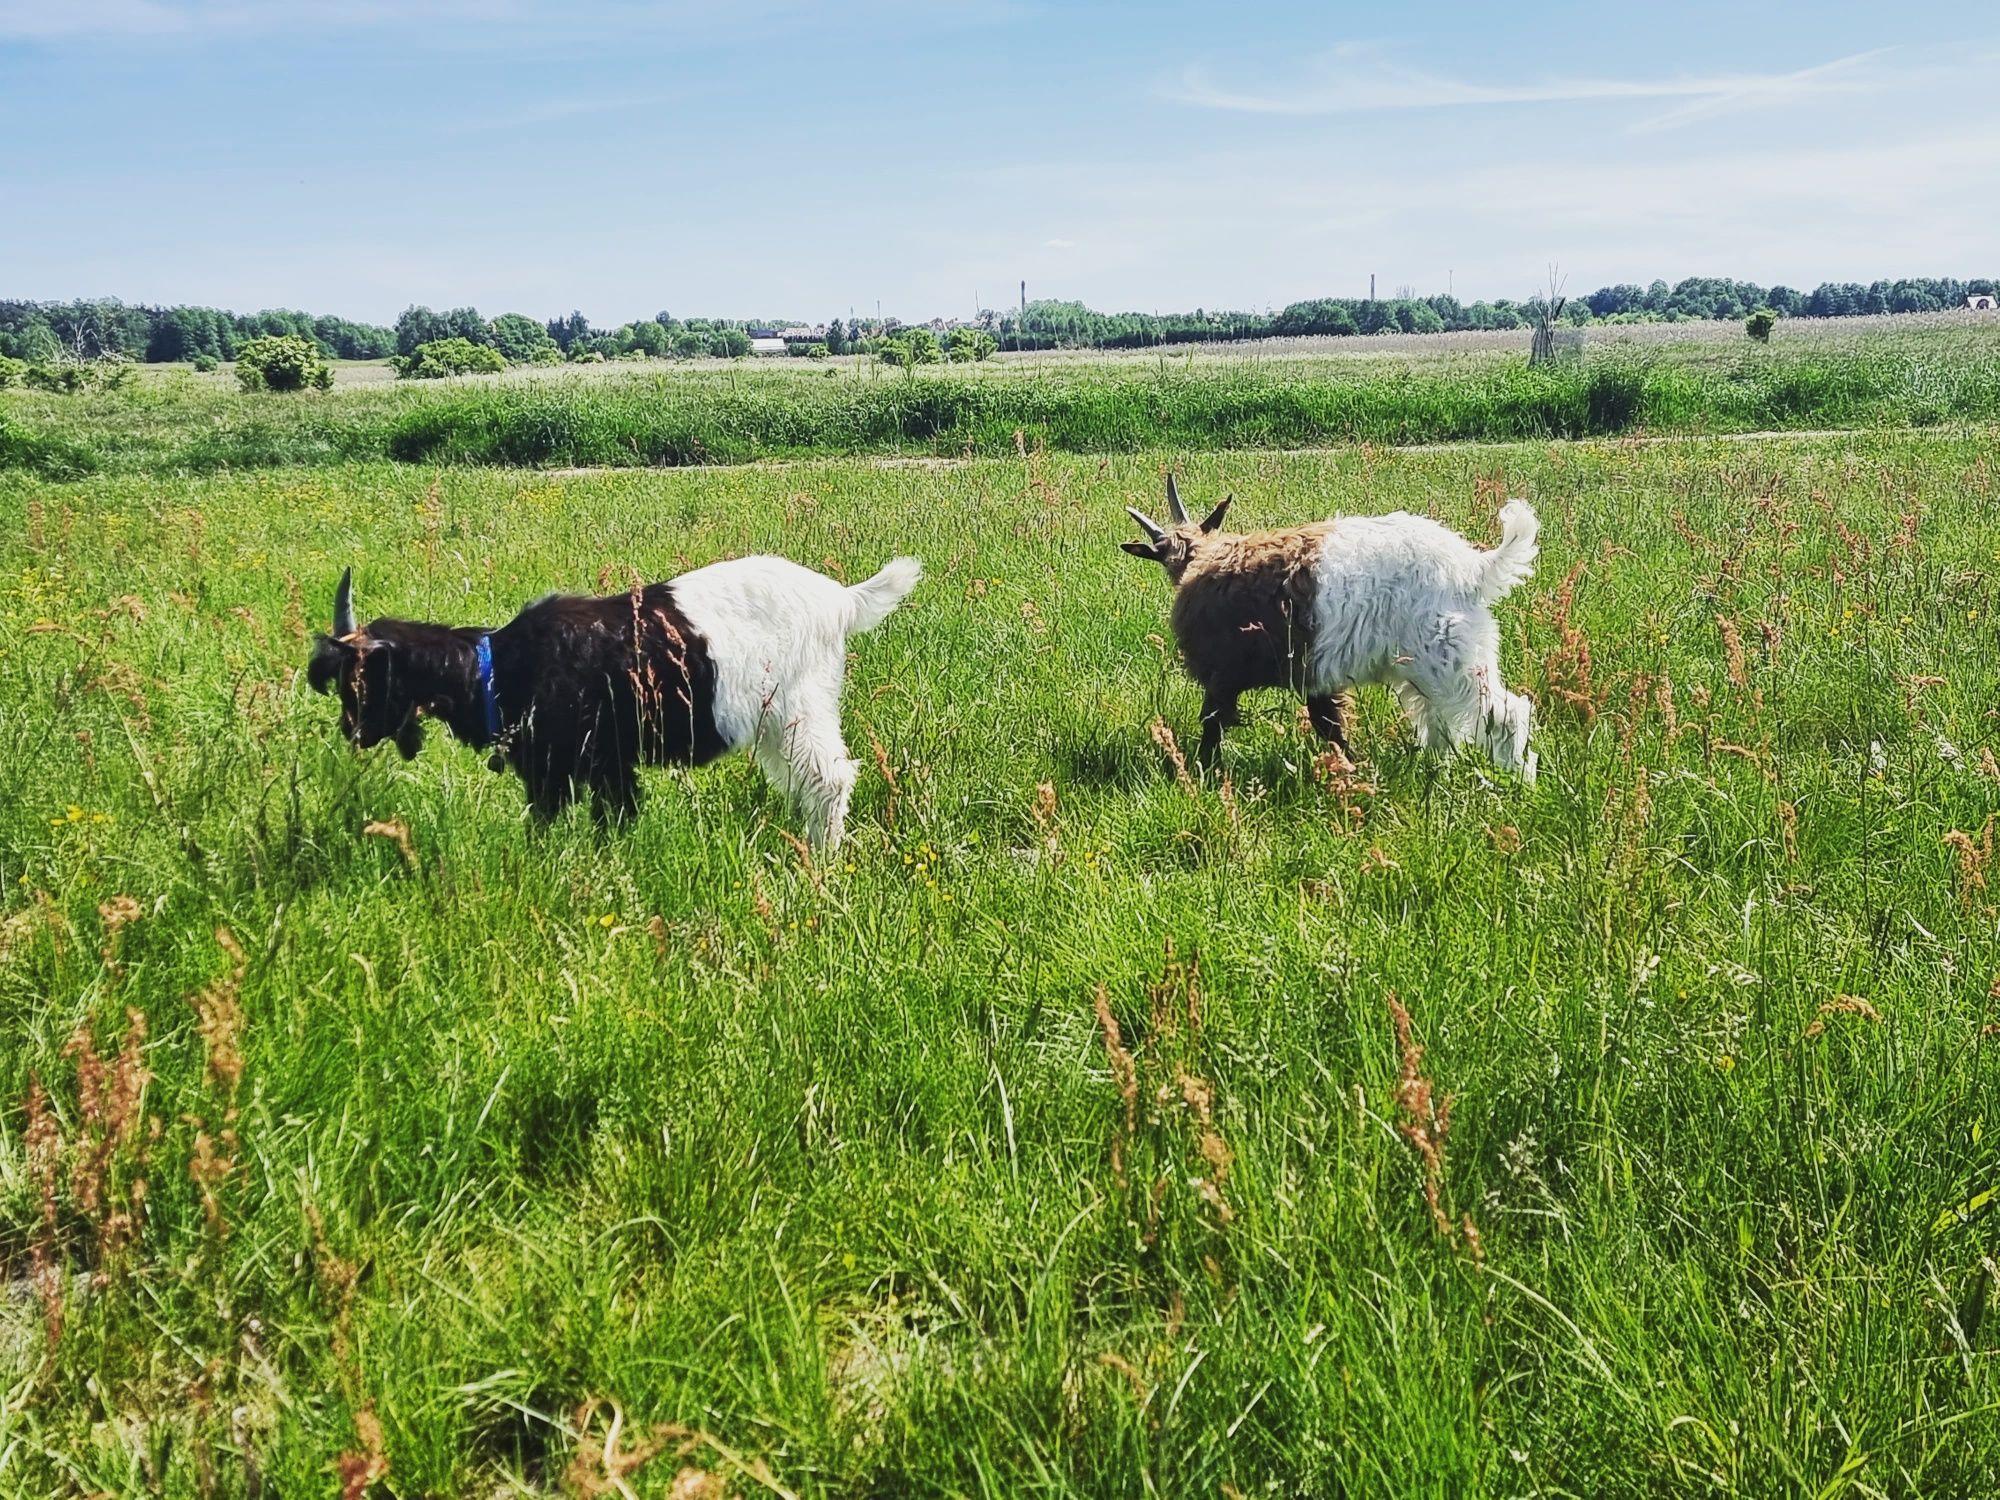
pixel 1513 561
pixel 874 600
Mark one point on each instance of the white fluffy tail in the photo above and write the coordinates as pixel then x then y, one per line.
pixel 1513 561
pixel 874 600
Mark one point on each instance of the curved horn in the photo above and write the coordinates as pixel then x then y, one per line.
pixel 1147 524
pixel 1174 506
pixel 343 606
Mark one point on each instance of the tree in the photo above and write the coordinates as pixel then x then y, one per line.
pixel 836 337
pixel 415 327
pixel 731 343
pixel 690 343
pixel 521 340
pixel 1760 323
pixel 649 338
pixel 281 362
pixel 569 330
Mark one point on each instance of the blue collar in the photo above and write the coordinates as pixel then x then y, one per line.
pixel 489 702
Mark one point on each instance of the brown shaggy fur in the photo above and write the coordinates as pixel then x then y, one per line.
pixel 1242 615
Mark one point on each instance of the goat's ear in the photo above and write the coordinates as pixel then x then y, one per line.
pixel 1141 549
pixel 1215 516
pixel 328 658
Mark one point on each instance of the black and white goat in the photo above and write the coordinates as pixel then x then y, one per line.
pixel 577 693
pixel 1398 600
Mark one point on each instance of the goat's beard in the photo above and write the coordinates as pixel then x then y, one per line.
pixel 410 738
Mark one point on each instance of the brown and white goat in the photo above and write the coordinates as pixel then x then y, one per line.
pixel 1397 600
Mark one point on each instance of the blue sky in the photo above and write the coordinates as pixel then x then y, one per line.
pixel 780 157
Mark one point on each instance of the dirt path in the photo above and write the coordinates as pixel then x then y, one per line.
pixel 1635 440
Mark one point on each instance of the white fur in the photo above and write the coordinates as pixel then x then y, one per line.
pixel 1405 602
pixel 778 635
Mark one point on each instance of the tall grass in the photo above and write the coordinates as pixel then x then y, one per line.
pixel 1112 407
pixel 1625 1137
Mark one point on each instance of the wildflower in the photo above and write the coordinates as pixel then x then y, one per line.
pixel 1724 1063
pixel 607 920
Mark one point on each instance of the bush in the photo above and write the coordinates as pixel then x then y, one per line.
pixel 12 372
pixel 71 378
pixel 205 364
pixel 281 362
pixel 910 348
pixel 442 357
pixel 1760 323
pixel 818 351
pixel 963 344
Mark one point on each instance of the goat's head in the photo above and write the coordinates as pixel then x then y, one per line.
pixel 376 702
pixel 1173 546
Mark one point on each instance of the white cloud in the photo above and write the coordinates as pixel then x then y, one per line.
pixel 1357 78
pixel 1060 244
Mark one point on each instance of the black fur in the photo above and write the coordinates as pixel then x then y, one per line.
pixel 588 691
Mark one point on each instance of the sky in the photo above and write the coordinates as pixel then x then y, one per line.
pixel 783 158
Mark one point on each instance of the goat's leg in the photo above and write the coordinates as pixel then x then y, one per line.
pixel 1218 712
pixel 1327 715
pixel 548 795
pixel 806 760
pixel 614 796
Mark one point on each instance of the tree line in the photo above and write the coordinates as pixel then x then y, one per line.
pixel 1054 324
pixel 87 329
pixel 49 333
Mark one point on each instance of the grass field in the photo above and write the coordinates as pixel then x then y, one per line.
pixel 352 1133
pixel 668 415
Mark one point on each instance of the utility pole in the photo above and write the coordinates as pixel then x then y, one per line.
pixel 1371 286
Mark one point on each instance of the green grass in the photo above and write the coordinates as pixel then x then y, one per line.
pixel 727 415
pixel 820 1163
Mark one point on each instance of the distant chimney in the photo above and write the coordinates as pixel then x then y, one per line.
pixel 1371 286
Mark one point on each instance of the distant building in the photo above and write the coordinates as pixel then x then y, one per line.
pixel 1982 302
pixel 763 341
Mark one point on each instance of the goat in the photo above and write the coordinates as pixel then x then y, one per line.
pixel 1398 600
pixel 578 692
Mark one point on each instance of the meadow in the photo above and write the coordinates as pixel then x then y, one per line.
pixel 1082 1127
pixel 1299 394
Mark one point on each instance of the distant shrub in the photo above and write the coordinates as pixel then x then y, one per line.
pixel 12 372
pixel 205 364
pixel 1760 323
pixel 963 344
pixel 818 351
pixel 442 357
pixel 910 348
pixel 59 380
pixel 282 362
pixel 68 379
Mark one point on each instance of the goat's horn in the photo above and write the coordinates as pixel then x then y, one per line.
pixel 1178 510
pixel 1147 524
pixel 343 606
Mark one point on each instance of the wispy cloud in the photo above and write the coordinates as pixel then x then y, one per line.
pixel 1357 78
pixel 1060 244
